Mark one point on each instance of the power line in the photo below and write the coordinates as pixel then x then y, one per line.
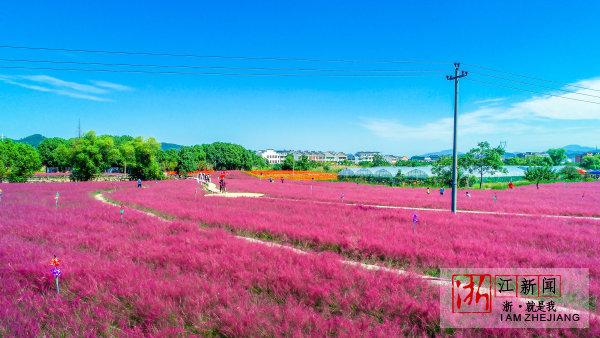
pixel 531 77
pixel 191 55
pixel 220 67
pixel 100 70
pixel 533 91
pixel 535 84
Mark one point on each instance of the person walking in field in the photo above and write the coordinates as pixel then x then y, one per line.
pixel 139 183
pixel 122 211
pixel 468 194
pixel 428 191
pixel 442 190
pixel 495 198
pixel 1 192
pixel 511 185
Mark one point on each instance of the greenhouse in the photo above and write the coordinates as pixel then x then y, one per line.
pixel 382 173
pixel 512 173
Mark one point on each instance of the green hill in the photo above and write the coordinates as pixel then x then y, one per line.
pixel 33 140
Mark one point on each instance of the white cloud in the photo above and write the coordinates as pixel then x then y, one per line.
pixel 538 117
pixel 49 84
pixel 490 101
pixel 112 85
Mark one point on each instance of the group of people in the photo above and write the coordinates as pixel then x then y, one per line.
pixel 204 177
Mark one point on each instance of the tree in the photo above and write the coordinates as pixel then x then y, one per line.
pixel 18 161
pixel 288 162
pixel 146 165
pixel 570 173
pixel 87 160
pixel 591 162
pixel 539 174
pixel 228 156
pixel 127 151
pixel 62 156
pixel 485 159
pixel 442 169
pixel 379 161
pixel 558 155
pixel 47 150
pixel 305 164
pixel 535 160
pixel 168 159
pixel 187 161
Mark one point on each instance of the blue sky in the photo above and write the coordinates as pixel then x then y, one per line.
pixel 399 115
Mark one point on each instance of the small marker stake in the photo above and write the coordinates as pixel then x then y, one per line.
pixel 56 197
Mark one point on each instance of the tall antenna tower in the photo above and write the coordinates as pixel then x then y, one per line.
pixel 79 128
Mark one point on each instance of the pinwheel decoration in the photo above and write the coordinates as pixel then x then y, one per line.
pixel 55 262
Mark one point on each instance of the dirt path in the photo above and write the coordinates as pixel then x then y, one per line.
pixel 214 192
pixel 101 198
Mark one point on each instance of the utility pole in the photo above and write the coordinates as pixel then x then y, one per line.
pixel 79 128
pixel 457 75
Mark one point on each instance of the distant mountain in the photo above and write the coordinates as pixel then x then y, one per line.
pixel 33 140
pixel 167 146
pixel 575 149
pixel 447 152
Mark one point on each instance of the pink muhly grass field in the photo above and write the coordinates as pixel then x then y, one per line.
pixel 442 240
pixel 145 276
pixel 580 198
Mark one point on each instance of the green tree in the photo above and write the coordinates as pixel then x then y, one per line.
pixel 146 164
pixel 570 173
pixel 62 156
pixel 127 151
pixel 442 169
pixel 109 151
pixel 591 162
pixel 539 174
pixel 484 159
pixel 168 159
pixel 379 161
pixel 557 155
pixel 48 154
pixel 18 161
pixel 288 162
pixel 87 157
pixel 187 161
pixel 304 163
pixel 228 156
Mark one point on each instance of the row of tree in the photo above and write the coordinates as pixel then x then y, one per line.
pixel 485 159
pixel 90 155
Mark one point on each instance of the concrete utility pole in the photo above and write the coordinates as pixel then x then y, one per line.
pixel 457 75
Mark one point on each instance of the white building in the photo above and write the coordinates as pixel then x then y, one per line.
pixel 278 156
pixel 272 156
